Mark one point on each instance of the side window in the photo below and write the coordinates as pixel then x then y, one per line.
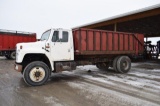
pixel 55 37
pixel 64 36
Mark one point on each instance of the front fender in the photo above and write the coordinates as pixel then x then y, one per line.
pixel 30 57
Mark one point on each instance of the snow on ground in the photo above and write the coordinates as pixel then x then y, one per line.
pixel 138 82
pixel 106 97
pixel 134 80
pixel 145 75
pixel 52 100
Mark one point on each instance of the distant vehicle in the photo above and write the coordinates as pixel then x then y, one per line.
pixel 61 49
pixel 9 39
pixel 158 49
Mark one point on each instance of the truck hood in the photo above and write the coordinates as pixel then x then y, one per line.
pixel 32 47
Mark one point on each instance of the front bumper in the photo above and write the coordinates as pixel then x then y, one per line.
pixel 18 67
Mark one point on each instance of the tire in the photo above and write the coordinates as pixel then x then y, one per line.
pixel 102 66
pixel 36 73
pixel 123 64
pixel 98 66
pixel 13 55
pixel 115 63
pixel 8 57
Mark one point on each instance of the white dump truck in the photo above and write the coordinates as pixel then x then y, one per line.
pixel 60 49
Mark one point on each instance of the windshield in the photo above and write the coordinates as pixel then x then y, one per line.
pixel 45 35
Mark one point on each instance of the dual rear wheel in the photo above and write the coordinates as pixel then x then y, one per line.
pixel 11 55
pixel 122 64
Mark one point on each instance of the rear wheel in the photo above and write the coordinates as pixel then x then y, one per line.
pixel 115 63
pixel 8 57
pixel 36 73
pixel 13 55
pixel 102 66
pixel 123 64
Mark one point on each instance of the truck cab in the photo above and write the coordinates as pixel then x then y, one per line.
pixel 37 60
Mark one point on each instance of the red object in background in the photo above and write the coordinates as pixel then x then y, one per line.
pixel 9 39
pixel 102 42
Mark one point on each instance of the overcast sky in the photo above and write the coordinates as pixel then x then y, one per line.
pixel 40 15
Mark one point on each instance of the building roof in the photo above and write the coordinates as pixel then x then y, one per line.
pixel 145 20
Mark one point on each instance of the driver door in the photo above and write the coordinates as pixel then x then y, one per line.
pixel 60 46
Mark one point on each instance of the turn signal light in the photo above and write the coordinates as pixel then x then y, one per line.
pixel 47 46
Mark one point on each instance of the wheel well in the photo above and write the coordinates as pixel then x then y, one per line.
pixel 28 58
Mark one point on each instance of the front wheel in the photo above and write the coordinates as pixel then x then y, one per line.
pixel 36 73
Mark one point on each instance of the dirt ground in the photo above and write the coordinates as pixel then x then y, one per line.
pixel 139 87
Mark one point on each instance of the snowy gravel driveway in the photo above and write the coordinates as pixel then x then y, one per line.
pixel 139 87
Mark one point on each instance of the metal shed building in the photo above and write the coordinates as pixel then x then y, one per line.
pixel 145 21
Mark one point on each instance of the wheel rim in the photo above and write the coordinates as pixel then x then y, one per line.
pixel 37 74
pixel 125 65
